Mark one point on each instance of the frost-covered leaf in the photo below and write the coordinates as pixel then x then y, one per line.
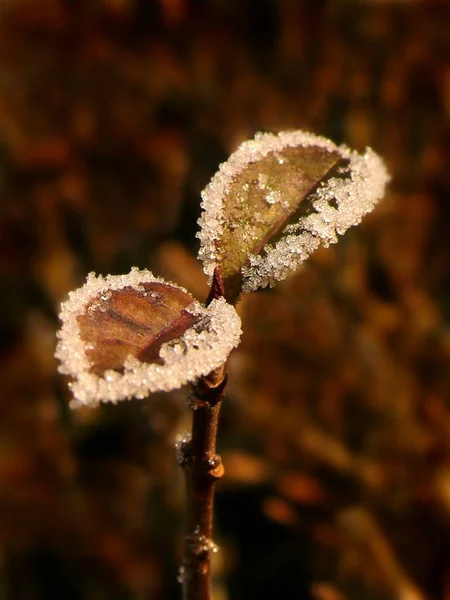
pixel 126 336
pixel 276 199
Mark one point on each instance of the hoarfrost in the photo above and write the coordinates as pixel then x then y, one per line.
pixel 262 181
pixel 200 544
pixel 202 348
pixel 182 446
pixel 338 204
pixel 181 574
pixel 273 196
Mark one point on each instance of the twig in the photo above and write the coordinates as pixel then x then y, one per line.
pixel 202 467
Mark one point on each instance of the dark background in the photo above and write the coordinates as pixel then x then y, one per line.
pixel 114 114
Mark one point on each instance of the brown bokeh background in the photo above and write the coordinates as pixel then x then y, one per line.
pixel 114 114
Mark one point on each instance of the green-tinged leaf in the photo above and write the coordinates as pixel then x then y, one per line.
pixel 271 188
pixel 267 196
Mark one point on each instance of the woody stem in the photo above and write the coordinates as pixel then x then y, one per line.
pixel 202 467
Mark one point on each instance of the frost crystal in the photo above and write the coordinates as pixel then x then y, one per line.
pixel 337 204
pixel 200 544
pixel 202 348
pixel 273 196
pixel 182 447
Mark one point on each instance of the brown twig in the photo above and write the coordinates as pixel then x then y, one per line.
pixel 217 287
pixel 202 467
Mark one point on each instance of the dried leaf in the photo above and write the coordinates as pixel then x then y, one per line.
pixel 133 322
pixel 126 336
pixel 276 200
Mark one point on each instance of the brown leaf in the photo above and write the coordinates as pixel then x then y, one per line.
pixel 134 322
pixel 126 336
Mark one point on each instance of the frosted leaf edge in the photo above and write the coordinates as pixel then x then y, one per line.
pixel 201 349
pixel 355 197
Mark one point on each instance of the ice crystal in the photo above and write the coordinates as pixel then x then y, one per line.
pixel 202 348
pixel 200 544
pixel 181 574
pixel 273 196
pixel 334 205
pixel 182 447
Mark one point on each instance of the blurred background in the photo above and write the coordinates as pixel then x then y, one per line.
pixel 335 433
